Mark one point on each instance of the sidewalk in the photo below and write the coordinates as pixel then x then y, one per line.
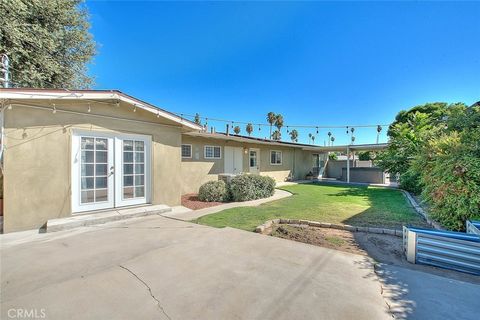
pixel 185 214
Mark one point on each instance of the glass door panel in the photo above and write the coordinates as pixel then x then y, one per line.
pixel 133 176
pixel 92 181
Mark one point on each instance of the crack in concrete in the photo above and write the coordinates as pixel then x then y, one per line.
pixel 159 305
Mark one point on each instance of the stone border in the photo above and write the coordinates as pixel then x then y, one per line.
pixel 266 228
pixel 421 211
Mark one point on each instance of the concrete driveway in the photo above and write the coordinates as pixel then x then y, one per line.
pixel 159 268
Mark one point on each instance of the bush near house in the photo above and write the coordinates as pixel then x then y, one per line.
pixel 214 191
pixel 251 186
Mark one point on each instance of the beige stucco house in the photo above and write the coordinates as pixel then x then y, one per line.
pixel 66 153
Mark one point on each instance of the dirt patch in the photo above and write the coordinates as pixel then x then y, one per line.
pixel 191 201
pixel 382 248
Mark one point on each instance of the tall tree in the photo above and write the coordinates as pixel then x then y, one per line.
pixel 279 122
pixel 249 129
pixel 48 43
pixel 277 135
pixel 313 139
pixel 237 129
pixel 294 135
pixel 271 118
pixel 197 119
pixel 309 138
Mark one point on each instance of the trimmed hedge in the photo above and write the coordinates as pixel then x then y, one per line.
pixel 214 191
pixel 250 187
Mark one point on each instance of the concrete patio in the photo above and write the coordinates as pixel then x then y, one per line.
pixel 159 268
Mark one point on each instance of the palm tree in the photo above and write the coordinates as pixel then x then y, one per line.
pixel 271 118
pixel 294 135
pixel 353 139
pixel 237 129
pixel 309 137
pixel 279 122
pixel 197 119
pixel 379 129
pixel 313 139
pixel 249 129
pixel 332 139
pixel 277 135
pixel 329 135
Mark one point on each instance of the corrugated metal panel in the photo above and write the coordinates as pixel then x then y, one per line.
pixel 445 249
pixel 473 227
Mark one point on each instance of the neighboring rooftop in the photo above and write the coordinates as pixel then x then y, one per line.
pixel 309 147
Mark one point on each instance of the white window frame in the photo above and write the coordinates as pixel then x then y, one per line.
pixel 191 150
pixel 276 155
pixel 213 157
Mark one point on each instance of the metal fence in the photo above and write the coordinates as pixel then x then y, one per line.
pixel 473 227
pixel 445 249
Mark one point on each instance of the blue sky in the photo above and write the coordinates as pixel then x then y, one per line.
pixel 317 63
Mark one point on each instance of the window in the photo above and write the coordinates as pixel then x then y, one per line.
pixel 186 150
pixel 133 169
pixel 212 152
pixel 275 157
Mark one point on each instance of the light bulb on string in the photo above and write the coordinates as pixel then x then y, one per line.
pixel 135 108
pixel 89 108
pixel 54 109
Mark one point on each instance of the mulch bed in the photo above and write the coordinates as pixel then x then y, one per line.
pixel 191 201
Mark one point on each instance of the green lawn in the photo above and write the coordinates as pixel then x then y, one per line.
pixel 358 206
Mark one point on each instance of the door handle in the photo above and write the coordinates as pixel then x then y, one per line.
pixel 112 171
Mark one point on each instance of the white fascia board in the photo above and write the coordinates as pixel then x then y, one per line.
pixel 105 95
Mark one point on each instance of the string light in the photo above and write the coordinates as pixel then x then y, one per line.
pixel 89 108
pixel 54 109
pixel 117 104
pixel 9 107
pixel 158 114
pixel 135 108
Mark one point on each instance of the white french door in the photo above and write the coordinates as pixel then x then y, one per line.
pixel 109 170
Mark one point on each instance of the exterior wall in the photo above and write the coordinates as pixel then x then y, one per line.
pixel 296 163
pixel 334 168
pixel 365 175
pixel 37 159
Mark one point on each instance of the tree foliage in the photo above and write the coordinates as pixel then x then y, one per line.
pixel 197 119
pixel 249 129
pixel 237 129
pixel 276 135
pixel 294 135
pixel 48 42
pixel 436 150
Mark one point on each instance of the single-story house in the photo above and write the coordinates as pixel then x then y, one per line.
pixel 69 152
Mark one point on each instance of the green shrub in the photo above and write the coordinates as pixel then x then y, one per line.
pixel 251 186
pixel 214 191
pixel 451 178
pixel 410 181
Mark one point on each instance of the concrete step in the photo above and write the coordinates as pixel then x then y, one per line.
pixel 89 219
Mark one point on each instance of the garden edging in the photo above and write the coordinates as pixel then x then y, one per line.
pixel 421 211
pixel 266 227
